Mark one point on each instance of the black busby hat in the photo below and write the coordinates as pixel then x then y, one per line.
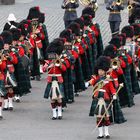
pixel 87 19
pixel 16 33
pixel 123 38
pixel 25 26
pixel 136 12
pixel 128 30
pixel 7 37
pixel 67 34
pixel 34 13
pixel 103 62
pixel 42 18
pixel 116 41
pixel 136 29
pixel 56 46
pixel 75 27
pixel 80 21
pixel 1 43
pixel 89 11
pixel 110 51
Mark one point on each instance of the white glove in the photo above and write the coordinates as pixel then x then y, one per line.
pixel 86 84
pixel 114 97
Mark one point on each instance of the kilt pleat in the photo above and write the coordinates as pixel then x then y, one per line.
pixel 23 83
pixel 79 84
pixel 2 88
pixel 135 84
pixel 118 114
pixel 48 92
pixel 85 67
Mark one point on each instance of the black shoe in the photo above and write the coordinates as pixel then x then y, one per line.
pixel 70 101
pixel 5 109
pixel 1 117
pixel 100 137
pixel 107 137
pixel 32 78
pixel 10 108
pixel 18 100
pixel 76 94
pixel 60 118
pixel 53 118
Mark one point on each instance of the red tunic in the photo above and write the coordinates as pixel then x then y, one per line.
pixel 114 74
pixel 54 71
pixel 2 69
pixel 108 88
pixel 95 30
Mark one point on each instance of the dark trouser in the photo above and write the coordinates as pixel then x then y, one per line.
pixel 114 26
pixel 67 23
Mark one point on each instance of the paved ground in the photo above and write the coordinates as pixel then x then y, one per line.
pixel 30 119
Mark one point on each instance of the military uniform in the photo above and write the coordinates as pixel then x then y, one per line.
pixel 114 16
pixel 70 12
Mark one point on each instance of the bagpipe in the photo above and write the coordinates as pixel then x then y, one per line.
pixel 34 25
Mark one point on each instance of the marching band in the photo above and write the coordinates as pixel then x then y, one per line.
pixel 74 61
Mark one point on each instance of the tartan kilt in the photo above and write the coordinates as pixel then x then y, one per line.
pixel 118 114
pixel 34 63
pixel 94 105
pixel 79 81
pixel 73 76
pixel 48 94
pixel 85 67
pixel 2 88
pixel 45 42
pixel 68 85
pixel 125 97
pixel 99 42
pixel 135 84
pixel 90 58
pixel 23 84
pixel 94 53
pixel 8 84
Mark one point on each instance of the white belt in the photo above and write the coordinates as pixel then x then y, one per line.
pixel 115 79
pixel 54 75
pixel 102 90
pixel 10 65
pixel 38 41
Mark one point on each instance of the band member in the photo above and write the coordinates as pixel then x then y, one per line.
pixel 126 99
pixel 67 75
pixel 23 82
pixel 11 23
pixel 137 59
pixel 114 16
pixel 134 11
pixel 36 37
pixel 11 60
pixel 103 93
pixel 95 27
pixel 2 74
pixel 130 54
pixel 116 72
pixel 79 48
pixel 70 11
pixel 54 89
pixel 45 41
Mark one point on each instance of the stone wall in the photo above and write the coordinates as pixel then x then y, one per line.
pixel 7 2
